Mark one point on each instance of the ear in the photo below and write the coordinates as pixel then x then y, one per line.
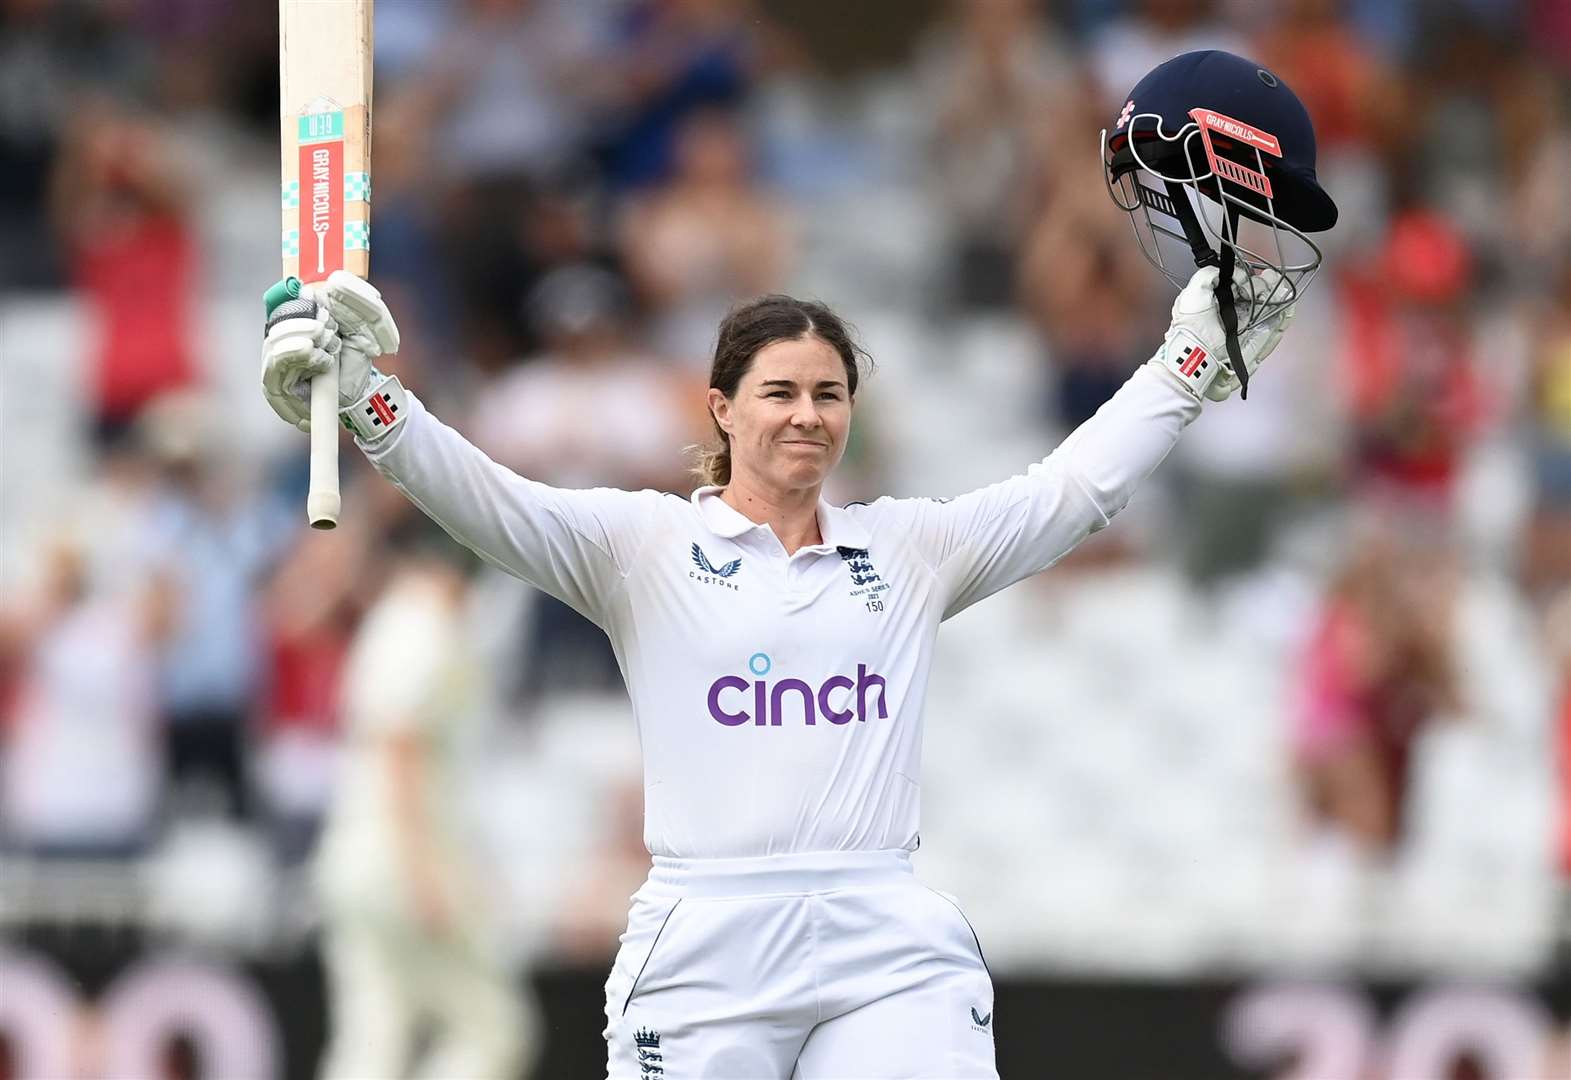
pixel 720 409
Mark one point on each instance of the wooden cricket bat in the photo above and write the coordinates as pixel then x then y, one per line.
pixel 324 84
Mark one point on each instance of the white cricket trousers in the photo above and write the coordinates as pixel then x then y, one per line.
pixel 836 966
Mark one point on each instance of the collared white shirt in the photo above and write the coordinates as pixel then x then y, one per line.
pixel 779 697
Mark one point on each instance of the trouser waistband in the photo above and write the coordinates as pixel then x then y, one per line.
pixel 768 875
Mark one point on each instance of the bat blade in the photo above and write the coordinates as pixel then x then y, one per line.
pixel 324 83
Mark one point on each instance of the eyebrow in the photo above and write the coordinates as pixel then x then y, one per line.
pixel 789 385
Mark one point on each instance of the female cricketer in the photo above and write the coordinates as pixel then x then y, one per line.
pixel 777 648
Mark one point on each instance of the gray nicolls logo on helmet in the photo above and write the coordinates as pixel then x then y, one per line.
pixel 1213 157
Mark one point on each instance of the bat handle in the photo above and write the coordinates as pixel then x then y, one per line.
pixel 322 501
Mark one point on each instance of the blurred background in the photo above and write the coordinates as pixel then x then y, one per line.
pixel 1267 780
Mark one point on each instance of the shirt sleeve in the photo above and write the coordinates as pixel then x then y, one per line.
pixel 987 539
pixel 577 545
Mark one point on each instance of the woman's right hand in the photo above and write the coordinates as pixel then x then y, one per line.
pixel 339 324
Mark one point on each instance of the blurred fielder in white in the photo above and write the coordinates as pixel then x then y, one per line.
pixel 777 648
pixel 407 940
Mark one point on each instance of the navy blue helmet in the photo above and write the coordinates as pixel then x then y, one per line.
pixel 1213 156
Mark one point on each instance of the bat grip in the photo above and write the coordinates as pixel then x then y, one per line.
pixel 322 501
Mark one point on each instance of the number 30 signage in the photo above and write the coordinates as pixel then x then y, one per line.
pixel 1331 1030
pixel 50 1030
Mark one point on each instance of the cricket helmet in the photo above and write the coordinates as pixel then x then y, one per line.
pixel 1213 157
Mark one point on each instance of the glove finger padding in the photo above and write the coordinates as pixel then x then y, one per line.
pixel 1255 344
pixel 358 306
pixel 1266 287
pixel 294 352
pixel 1199 296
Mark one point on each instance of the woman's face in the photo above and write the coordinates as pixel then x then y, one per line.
pixel 789 419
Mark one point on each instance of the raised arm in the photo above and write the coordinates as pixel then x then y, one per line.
pixel 575 545
pixel 990 538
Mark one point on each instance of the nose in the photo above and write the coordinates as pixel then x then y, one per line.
pixel 805 415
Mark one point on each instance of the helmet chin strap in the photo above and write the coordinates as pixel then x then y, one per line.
pixel 1226 306
pixel 1226 261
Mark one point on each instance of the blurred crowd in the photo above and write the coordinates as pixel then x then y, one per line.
pixel 568 195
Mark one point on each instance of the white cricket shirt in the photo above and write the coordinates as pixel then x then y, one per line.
pixel 779 698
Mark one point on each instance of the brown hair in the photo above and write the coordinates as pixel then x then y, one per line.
pixel 746 330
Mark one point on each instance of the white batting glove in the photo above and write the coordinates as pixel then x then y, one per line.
pixel 302 342
pixel 362 315
pixel 341 322
pixel 371 404
pixel 1194 352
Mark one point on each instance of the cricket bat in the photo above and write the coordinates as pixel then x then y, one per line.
pixel 324 96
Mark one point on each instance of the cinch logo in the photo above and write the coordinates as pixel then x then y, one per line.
pixel 729 697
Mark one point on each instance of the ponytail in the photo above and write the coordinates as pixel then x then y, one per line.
pixel 712 463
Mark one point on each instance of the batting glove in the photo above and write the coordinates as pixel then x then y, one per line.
pixel 301 342
pixel 339 324
pixel 361 312
pixel 1194 351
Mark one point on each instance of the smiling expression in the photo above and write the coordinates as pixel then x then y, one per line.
pixel 789 418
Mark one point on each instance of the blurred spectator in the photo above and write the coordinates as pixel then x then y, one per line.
pixel 408 33
pixel 55 57
pixel 592 913
pixel 35 89
pixel 108 513
pixel 1378 669
pixel 1362 107
pixel 502 240
pixel 489 251
pixel 500 107
pixel 508 85
pixel 1415 397
pixel 1483 108
pixel 990 73
pixel 591 409
pixel 703 240
pixel 311 607
pixel 1260 467
pixel 209 542
pixel 1083 281
pixel 408 934
pixel 79 651
pixel 1126 48
pixel 410 269
pixel 312 604
pixel 1550 30
pixel 672 59
pixel 1557 625
pixel 1537 240
pixel 1547 563
pixel 79 761
pixel 1315 50
pixel 122 210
